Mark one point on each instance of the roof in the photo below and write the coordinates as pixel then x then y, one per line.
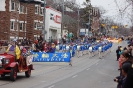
pixel 38 1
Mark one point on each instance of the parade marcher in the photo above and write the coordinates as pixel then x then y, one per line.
pixel 14 48
pixel 119 40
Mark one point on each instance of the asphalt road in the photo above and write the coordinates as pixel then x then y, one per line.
pixel 85 73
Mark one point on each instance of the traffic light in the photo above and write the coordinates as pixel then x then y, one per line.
pixel 103 25
pixel 114 27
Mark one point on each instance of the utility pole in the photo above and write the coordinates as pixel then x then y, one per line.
pixel 89 25
pixel 62 23
pixel 44 19
pixel 78 25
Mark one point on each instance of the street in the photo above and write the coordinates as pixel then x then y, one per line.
pixel 38 38
pixel 85 73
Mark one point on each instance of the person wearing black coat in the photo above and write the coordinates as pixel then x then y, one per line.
pixel 125 69
pixel 129 79
pixel 118 52
pixel 126 58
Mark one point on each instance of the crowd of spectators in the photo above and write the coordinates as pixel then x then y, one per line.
pixel 125 59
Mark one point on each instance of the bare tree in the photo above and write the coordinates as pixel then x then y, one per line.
pixel 102 10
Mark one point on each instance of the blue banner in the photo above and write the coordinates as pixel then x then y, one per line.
pixel 51 57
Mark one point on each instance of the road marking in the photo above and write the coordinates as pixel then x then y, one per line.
pixel 96 64
pixel 74 76
pixel 88 69
pixel 51 86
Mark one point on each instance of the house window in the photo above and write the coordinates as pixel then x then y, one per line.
pixel 51 16
pixel 40 26
pixel 21 9
pixel 12 25
pixel 41 11
pixel 36 9
pixel 35 25
pixel 21 26
pixel 12 5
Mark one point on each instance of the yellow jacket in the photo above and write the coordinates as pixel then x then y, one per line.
pixel 16 50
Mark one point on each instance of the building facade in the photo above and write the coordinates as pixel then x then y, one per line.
pixel 20 19
pixel 52 24
pixel 95 19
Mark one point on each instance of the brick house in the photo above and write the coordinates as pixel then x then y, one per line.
pixel 95 20
pixel 20 19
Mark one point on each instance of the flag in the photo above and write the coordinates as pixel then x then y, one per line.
pixel 17 52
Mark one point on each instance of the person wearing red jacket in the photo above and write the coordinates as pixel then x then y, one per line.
pixel 45 47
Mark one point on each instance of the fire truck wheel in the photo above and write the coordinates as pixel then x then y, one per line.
pixel 13 74
pixel 28 73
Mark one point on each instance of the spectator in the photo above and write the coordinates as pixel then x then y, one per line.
pixel 52 48
pixel 125 69
pixel 118 51
pixel 125 58
pixel 5 43
pixel 128 76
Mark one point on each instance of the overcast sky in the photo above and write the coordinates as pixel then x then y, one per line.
pixel 112 8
